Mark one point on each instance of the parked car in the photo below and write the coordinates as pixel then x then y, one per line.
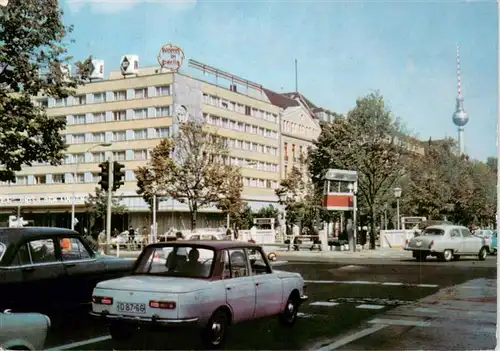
pixel 447 242
pixel 23 331
pixel 493 244
pixel 55 261
pixel 203 285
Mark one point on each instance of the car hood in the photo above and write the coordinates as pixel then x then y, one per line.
pixel 285 274
pixel 154 284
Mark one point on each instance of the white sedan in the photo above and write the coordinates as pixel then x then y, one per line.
pixel 23 331
pixel 207 285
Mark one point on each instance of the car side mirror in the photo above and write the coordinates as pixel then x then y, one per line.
pixel 271 256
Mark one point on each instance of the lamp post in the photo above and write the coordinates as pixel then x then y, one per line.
pixel 397 195
pixel 75 175
pixel 353 188
pixel 282 199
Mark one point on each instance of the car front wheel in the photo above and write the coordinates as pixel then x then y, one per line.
pixel 289 315
pixel 447 255
pixel 215 332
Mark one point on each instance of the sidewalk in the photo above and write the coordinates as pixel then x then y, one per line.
pixel 462 317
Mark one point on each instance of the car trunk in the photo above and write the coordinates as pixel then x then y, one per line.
pixel 422 242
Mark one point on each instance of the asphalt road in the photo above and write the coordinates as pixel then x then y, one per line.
pixel 341 297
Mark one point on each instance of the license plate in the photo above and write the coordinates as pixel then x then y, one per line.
pixel 131 307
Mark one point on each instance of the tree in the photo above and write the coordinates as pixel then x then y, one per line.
pixel 190 168
pixel 97 204
pixel 231 203
pixel 368 141
pixel 32 57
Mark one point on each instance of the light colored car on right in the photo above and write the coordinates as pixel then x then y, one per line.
pixel 447 242
pixel 23 331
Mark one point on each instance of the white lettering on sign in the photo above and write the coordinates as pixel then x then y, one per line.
pixel 340 174
pixel 171 57
pixel 40 200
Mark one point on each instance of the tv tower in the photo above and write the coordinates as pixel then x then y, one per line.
pixel 460 117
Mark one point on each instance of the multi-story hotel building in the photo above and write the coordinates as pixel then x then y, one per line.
pixel 130 112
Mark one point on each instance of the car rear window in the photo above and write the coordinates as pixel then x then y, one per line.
pixel 433 231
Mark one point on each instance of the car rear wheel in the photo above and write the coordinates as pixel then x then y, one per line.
pixel 482 254
pixel 215 332
pixel 289 315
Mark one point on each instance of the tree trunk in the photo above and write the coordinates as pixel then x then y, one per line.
pixel 194 212
pixel 373 230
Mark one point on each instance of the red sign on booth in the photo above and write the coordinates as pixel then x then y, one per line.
pixel 338 202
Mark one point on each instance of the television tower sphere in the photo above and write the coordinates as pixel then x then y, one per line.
pixel 460 117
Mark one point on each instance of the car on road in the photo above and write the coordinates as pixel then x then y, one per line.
pixel 447 242
pixel 43 266
pixel 23 331
pixel 206 285
pixel 493 244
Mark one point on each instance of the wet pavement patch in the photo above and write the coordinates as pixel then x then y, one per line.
pixel 371 300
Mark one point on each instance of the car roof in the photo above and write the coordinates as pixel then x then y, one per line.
pixel 214 244
pixel 445 226
pixel 32 233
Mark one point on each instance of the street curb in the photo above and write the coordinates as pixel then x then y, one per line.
pixel 441 294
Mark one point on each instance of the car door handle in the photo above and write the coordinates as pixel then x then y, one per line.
pixel 70 265
pixel 257 284
pixel 228 288
pixel 28 269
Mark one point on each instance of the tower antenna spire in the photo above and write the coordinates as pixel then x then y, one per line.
pixel 459 78
pixel 460 117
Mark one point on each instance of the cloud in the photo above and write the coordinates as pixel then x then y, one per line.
pixel 117 6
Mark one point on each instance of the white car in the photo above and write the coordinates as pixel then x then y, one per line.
pixel 23 331
pixel 206 285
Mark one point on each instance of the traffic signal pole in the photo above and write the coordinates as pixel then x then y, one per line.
pixel 110 201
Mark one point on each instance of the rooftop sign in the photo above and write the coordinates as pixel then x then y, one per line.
pixel 170 57
pixel 341 175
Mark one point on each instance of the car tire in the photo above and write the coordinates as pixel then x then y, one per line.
pixel 447 255
pixel 289 315
pixel 120 333
pixel 214 334
pixel 482 254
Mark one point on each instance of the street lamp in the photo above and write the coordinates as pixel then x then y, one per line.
pixel 353 188
pixel 75 175
pixel 397 195
pixel 282 219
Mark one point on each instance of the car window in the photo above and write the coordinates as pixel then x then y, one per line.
pixel 455 233
pixel 433 231
pixel 42 251
pixel 465 232
pixel 72 249
pixel 235 264
pixel 23 256
pixel 257 262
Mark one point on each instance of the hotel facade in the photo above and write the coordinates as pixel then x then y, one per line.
pixel 131 111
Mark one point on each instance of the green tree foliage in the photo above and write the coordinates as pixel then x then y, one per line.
pixel 190 168
pixel 368 141
pixel 32 58
pixel 97 204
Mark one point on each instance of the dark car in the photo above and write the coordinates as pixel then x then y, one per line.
pixel 42 266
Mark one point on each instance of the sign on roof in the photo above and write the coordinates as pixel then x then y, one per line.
pixel 170 57
pixel 342 175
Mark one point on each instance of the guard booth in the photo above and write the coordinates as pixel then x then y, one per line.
pixel 411 222
pixel 339 194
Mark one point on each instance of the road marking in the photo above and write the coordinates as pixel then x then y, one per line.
pixel 426 310
pixel 370 307
pixel 80 343
pixel 324 303
pixel 404 322
pixel 365 282
pixel 304 315
pixel 350 338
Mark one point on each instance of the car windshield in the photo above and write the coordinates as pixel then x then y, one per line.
pixel 433 231
pixel 190 261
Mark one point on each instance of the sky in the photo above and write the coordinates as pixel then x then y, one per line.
pixel 405 50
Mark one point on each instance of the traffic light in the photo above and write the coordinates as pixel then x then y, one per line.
pixel 118 175
pixel 104 175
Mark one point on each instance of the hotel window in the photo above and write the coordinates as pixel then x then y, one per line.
pixel 99 117
pixel 141 93
pixel 119 115
pixel 80 178
pixel 285 151
pixel 78 138
pixel 162 132
pixel 120 95
pixel 43 103
pixel 140 113
pixel 293 152
pixel 163 111
pixel 140 155
pixel 140 134
pixel 206 98
pixel 80 100
pixel 119 136
pixel 40 179
pixel 79 119
pixel 60 102
pixel 99 137
pixel 58 178
pixel 21 180
pixel 98 157
pixel 119 155
pixel 248 111
pixel 95 178
pixel 79 158
pixel 163 90
pixel 99 97
pixel 224 104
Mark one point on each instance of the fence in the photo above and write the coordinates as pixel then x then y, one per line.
pixel 395 238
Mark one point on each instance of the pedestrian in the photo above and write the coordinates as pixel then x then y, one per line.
pixel 101 239
pixel 144 235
